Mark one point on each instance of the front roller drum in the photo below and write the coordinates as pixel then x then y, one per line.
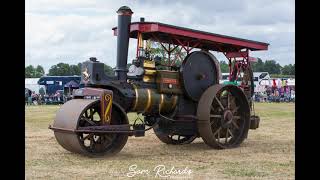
pixel 83 113
pixel 223 116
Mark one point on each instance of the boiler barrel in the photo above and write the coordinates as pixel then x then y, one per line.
pixel 149 101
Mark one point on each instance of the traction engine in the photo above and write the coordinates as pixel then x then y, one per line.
pixel 180 103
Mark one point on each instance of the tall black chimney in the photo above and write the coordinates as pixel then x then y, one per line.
pixel 124 20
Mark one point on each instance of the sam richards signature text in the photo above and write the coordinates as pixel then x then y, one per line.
pixel 159 171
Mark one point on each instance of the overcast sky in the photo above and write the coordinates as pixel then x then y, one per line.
pixel 71 31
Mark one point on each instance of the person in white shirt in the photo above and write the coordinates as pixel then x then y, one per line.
pixel 135 69
pixel 279 83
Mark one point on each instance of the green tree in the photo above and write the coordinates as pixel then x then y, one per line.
pixel 224 67
pixel 32 72
pixel 293 70
pixel 108 70
pixel 29 71
pixel 258 66
pixel 80 66
pixel 39 71
pixel 272 67
pixel 288 70
pixel 61 69
pixel 156 49
pixel 75 70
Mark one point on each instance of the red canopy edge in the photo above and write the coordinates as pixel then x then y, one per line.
pixel 210 41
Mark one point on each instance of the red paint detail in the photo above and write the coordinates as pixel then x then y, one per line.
pixel 236 54
pixel 169 81
pixel 184 33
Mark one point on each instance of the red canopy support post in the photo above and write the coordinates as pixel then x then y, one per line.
pixel 230 68
pixel 169 54
pixel 138 39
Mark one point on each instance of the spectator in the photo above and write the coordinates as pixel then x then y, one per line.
pixel 279 83
pixel 283 82
pixel 281 92
pixel 268 90
pixel 292 93
pixel 286 85
pixel 276 94
pixel 29 100
pixel 46 98
pixel 274 85
pixel 26 96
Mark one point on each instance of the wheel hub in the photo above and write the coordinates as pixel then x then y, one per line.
pixel 227 118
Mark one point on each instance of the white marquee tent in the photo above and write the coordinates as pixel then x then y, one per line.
pixel 32 84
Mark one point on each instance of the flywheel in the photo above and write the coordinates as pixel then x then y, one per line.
pixel 199 70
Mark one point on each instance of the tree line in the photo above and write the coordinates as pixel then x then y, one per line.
pixel 270 66
pixel 156 49
pixel 64 69
pixel 60 69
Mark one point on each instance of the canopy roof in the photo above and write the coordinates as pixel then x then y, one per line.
pixel 71 84
pixel 176 35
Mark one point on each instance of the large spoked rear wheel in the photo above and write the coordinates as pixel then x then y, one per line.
pixel 82 113
pixel 174 139
pixel 224 116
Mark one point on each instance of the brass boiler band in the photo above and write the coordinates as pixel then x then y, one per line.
pixel 148 100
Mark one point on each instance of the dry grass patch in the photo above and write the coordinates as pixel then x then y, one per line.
pixel 268 153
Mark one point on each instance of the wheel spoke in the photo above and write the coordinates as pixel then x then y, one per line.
pixel 217 131
pixel 221 106
pixel 91 114
pixel 235 124
pixel 99 140
pixel 88 120
pixel 91 142
pixel 108 138
pixel 235 109
pixel 212 108
pixel 226 140
pixel 86 114
pixel 229 103
pixel 88 136
pixel 236 117
pixel 215 116
pixel 230 133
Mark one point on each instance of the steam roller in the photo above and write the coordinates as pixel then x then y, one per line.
pixel 78 114
pixel 178 101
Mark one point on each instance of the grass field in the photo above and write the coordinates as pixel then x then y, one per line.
pixel 268 153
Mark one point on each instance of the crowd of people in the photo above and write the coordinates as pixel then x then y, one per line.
pixel 32 98
pixel 277 92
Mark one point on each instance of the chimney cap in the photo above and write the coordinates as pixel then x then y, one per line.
pixel 124 10
pixel 93 59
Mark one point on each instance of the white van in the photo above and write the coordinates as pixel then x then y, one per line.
pixel 257 77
